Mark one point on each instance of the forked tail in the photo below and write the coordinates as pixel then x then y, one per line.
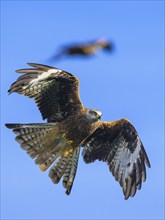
pixel 45 143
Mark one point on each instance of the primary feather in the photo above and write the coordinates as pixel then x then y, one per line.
pixel 118 144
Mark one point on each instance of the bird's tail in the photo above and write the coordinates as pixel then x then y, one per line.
pixel 66 167
pixel 45 143
pixel 34 138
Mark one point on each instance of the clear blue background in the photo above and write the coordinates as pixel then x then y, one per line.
pixel 126 84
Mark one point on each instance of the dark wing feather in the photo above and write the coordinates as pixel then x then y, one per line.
pixel 118 144
pixel 55 91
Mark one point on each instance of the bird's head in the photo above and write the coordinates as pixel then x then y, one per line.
pixel 108 46
pixel 93 114
pixel 105 44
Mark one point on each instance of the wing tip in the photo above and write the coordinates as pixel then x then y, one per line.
pixel 9 91
pixel 10 126
pixel 19 71
pixel 13 126
pixel 146 160
pixel 36 66
pixel 41 66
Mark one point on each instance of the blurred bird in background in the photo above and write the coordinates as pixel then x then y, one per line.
pixel 83 49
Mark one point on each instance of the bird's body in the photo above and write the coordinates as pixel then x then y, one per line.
pixel 80 127
pixel 70 126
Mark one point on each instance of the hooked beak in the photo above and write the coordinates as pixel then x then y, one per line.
pixel 99 114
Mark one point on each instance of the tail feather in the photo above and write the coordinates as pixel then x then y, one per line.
pixel 31 142
pixel 45 143
pixel 58 169
pixel 46 159
pixel 70 172
pixel 31 136
pixel 66 167
pixel 54 141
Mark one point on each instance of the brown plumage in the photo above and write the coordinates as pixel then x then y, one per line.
pixel 56 144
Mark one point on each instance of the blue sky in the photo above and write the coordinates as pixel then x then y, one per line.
pixel 126 84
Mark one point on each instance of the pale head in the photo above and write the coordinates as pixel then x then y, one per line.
pixel 93 114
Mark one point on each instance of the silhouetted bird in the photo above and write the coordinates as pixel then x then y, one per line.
pixel 84 49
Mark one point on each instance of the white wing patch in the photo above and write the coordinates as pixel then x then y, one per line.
pixel 42 77
pixel 45 75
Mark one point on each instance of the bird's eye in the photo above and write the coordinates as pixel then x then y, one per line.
pixel 93 113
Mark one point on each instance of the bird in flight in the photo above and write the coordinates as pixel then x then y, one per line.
pixel 84 49
pixel 56 144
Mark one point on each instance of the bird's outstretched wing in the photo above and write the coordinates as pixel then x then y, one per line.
pixel 118 144
pixel 55 91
